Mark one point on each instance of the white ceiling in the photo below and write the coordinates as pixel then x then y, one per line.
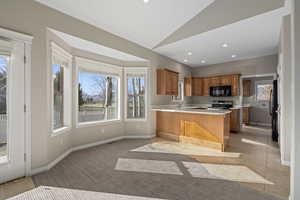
pixel 151 23
pixel 145 24
pixel 92 47
pixel 253 37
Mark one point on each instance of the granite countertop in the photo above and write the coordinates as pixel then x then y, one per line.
pixel 191 109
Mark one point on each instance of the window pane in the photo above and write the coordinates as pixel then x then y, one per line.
pixel 264 92
pixel 98 97
pixel 136 97
pixel 58 97
pixel 3 105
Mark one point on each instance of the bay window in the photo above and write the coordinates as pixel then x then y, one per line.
pixel 136 94
pixel 98 93
pixel 61 65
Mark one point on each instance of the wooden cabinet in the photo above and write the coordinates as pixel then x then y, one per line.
pixel 193 86
pixel 167 82
pixel 246 88
pixel 235 86
pixel 235 120
pixel 201 86
pixel 246 113
pixel 215 81
pixel 188 81
pixel 197 87
pixel 206 86
pixel 226 80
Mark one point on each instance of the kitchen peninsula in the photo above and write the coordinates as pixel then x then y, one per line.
pixel 201 126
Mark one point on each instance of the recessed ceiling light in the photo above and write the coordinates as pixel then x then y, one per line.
pixel 146 1
pixel 203 61
pixel 233 56
pixel 224 45
pixel 190 53
pixel 185 60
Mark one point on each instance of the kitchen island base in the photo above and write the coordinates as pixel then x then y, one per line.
pixel 208 130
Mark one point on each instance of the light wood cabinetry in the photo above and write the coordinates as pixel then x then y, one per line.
pixel 200 129
pixel 206 86
pixel 205 83
pixel 246 88
pixel 167 82
pixel 188 81
pixel 226 80
pixel 197 86
pixel 246 113
pixel 235 86
pixel 235 120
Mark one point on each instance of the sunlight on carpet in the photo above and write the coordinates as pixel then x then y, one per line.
pixel 183 149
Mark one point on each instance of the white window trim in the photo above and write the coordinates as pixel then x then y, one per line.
pixel 91 66
pixel 62 56
pixel 137 71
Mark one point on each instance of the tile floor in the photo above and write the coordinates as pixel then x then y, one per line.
pixel 162 169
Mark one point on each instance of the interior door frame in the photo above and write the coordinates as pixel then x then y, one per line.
pixel 27 40
pixel 274 75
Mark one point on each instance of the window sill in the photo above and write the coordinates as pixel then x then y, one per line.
pixel 3 160
pixel 136 120
pixel 98 123
pixel 60 131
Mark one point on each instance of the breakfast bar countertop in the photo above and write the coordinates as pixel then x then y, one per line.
pixel 191 109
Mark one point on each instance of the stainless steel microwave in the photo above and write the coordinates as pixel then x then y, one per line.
pixel 220 91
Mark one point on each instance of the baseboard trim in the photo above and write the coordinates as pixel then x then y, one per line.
pixel 85 146
pixel 140 136
pixel 260 124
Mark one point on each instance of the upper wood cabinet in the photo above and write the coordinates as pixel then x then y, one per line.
pixel 235 86
pixel 226 80
pixel 188 81
pixel 197 86
pixel 167 82
pixel 246 88
pixel 206 86
pixel 201 86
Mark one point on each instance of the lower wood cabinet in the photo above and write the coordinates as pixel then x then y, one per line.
pixel 246 115
pixel 235 120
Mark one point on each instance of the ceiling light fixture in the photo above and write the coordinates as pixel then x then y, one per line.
pixel 185 60
pixel 190 53
pixel 146 1
pixel 203 61
pixel 233 56
pixel 224 45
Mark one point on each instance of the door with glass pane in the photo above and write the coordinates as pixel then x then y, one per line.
pixel 12 116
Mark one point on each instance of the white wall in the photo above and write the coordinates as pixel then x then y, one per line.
pixel 285 84
pixel 32 18
pixel 295 156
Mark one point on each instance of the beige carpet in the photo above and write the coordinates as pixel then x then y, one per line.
pixel 53 193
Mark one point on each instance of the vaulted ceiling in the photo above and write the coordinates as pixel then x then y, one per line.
pixel 175 27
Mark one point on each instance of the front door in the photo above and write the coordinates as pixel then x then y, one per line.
pixel 12 116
